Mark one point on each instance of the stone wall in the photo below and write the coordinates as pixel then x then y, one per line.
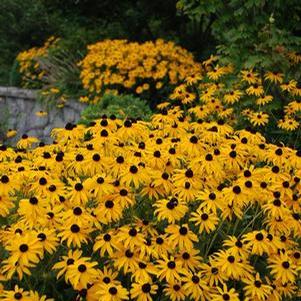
pixel 18 109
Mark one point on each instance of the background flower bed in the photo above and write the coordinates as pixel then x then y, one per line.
pixel 265 98
pixel 259 37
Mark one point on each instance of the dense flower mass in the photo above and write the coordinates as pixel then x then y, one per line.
pixel 126 209
pixel 256 97
pixel 120 65
pixel 30 67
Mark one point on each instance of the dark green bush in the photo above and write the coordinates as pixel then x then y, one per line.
pixel 252 32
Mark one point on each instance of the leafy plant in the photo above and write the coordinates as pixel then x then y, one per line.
pixel 120 106
pixel 252 32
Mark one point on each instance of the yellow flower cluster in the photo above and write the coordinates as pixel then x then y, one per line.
pixel 118 65
pixel 30 68
pixel 255 96
pixel 126 209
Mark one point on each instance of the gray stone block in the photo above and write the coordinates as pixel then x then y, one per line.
pixel 20 106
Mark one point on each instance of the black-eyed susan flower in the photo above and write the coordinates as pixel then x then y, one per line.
pixel 288 124
pixel 112 292
pixel 181 237
pixel 256 288
pixel 171 209
pixel 16 294
pixel 170 269
pixel 175 291
pixel 233 266
pixel 257 242
pixel 263 100
pixel 126 260
pixel 259 118
pixel 282 268
pixel 232 96
pixel 109 210
pixel 224 293
pixel 249 76
pixel 130 237
pixel 81 273
pixel 11 133
pixel 205 219
pixel 142 291
pixel 78 192
pixel 195 287
pixel 212 274
pixel 48 239
pixel 190 259
pixel 28 249
pixel 66 261
pixel 74 234
pixel 41 113
pixel 144 272
pixel 26 141
pixel 274 77
pixel 106 243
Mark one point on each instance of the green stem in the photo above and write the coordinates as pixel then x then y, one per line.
pixel 251 222
pixel 213 239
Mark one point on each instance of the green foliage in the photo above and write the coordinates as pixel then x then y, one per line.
pixel 252 32
pixel 15 77
pixel 121 106
pixel 23 24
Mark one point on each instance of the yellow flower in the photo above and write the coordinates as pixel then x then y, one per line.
pixel 11 133
pixel 25 252
pixel 41 113
pixel 217 72
pixel 232 97
pixel 210 60
pixel 181 237
pixel 288 124
pixel 26 141
pixel 282 268
pixel 255 288
pixel 205 219
pixel 259 118
pixel 170 269
pixel 264 100
pixel 142 291
pixel 274 77
pixel 112 292
pixel 84 99
pixel 81 273
pixel 249 76
pixel 221 294
pixel 255 89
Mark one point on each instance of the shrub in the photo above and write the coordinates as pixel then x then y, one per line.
pixel 149 70
pixel 155 209
pixel 123 106
pixel 248 33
